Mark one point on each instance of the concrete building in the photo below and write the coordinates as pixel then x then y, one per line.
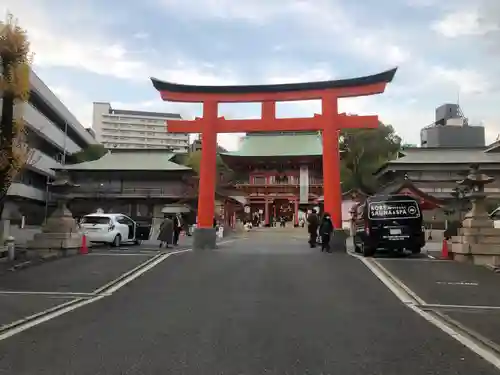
pixel 452 129
pixel 195 146
pixel 126 129
pixel 52 132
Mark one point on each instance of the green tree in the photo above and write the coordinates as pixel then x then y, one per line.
pixel 364 151
pixel 15 89
pixel 193 160
pixel 90 153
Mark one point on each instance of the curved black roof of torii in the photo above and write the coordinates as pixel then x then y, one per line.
pixel 384 77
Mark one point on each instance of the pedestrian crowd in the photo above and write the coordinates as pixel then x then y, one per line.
pixel 320 229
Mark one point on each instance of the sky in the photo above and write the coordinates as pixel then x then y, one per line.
pixel 102 50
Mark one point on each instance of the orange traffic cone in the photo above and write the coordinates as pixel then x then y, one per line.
pixel 84 249
pixel 445 254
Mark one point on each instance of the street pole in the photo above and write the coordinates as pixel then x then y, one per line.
pixel 64 143
pixel 46 198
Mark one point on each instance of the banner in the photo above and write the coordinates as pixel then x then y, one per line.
pixel 304 184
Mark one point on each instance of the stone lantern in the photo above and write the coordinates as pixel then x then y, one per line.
pixel 475 183
pixel 60 234
pixel 477 241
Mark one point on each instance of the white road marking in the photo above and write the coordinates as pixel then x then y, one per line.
pixel 458 307
pixel 461 283
pixel 400 283
pixel 68 294
pixel 143 270
pixel 430 256
pixel 399 291
pixel 28 322
pixel 54 312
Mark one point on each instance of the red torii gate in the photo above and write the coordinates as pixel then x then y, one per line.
pixel 330 122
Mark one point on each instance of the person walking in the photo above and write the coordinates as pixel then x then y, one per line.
pixel 177 229
pixel 325 232
pixel 166 234
pixel 312 228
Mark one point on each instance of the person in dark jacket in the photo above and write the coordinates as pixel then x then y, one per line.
pixel 312 228
pixel 166 233
pixel 325 231
pixel 177 229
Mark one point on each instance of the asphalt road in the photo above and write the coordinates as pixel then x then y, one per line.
pixel 266 305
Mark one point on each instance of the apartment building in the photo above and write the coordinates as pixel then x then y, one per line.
pixel 51 129
pixel 128 129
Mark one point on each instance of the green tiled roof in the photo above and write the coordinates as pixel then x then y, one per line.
pixel 130 161
pixel 291 144
pixel 446 156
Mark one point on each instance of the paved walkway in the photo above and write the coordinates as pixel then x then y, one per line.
pixel 263 305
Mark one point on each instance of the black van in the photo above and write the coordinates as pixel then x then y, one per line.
pixel 389 222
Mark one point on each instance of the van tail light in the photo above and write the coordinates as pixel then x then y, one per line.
pixel 111 227
pixel 367 229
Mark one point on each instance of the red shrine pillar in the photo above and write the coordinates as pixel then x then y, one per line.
pixel 206 189
pixel 331 160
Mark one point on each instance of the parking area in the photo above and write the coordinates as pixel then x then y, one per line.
pixel 76 274
pixel 447 282
pixel 463 294
pixel 51 284
pixel 19 306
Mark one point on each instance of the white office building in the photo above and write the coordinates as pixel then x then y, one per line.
pixel 52 132
pixel 128 129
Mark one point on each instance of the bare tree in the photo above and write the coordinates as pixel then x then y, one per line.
pixel 15 63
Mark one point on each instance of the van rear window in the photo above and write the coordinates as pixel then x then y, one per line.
pixel 95 220
pixel 393 210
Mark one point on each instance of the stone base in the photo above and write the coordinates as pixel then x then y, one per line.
pixel 63 244
pixel 204 239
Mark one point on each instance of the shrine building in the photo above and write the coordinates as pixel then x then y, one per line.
pixel 280 173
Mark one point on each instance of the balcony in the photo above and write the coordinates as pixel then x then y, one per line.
pixel 48 130
pixel 247 183
pixel 135 192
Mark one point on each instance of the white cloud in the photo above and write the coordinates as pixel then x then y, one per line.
pixel 467 22
pixel 374 47
pixel 314 74
pixel 467 81
pixel 325 21
pixel 79 106
pixel 141 35
pixel 87 48
pixel 74 47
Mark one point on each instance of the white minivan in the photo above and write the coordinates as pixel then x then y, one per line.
pixel 113 229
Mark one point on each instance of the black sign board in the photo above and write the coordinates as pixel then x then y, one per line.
pixel 393 210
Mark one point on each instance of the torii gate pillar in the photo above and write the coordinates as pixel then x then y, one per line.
pixel 330 122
